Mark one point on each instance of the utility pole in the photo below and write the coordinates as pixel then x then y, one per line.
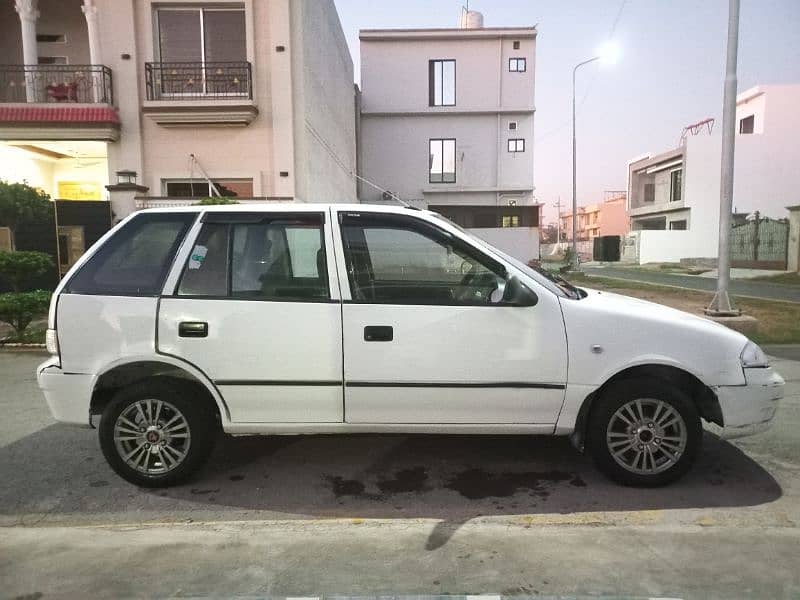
pixel 721 303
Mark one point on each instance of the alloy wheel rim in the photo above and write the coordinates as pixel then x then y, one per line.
pixel 646 436
pixel 152 436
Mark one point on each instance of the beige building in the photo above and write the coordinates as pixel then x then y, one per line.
pixel 608 217
pixel 247 98
pixel 447 123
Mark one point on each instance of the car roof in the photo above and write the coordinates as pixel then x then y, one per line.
pixel 285 207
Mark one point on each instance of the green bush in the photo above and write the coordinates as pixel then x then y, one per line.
pixel 21 203
pixel 215 201
pixel 18 309
pixel 19 268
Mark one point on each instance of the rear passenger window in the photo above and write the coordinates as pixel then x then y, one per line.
pixel 277 259
pixel 136 259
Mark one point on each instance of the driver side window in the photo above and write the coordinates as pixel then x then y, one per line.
pixel 393 259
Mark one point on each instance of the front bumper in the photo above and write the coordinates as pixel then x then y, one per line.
pixel 750 408
pixel 68 395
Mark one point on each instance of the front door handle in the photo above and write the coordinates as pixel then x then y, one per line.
pixel 378 333
pixel 194 329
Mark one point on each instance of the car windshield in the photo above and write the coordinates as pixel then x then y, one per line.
pixel 552 281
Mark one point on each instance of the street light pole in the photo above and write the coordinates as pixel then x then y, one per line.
pixel 574 164
pixel 721 303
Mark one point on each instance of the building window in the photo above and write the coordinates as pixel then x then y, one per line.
pixel 649 192
pixel 51 38
pixel 510 221
pixel 678 225
pixel 675 181
pixel 516 45
pixel 512 125
pixel 517 65
pixel 442 161
pixel 516 145
pixel 201 35
pixel 200 188
pixel 52 60
pixel 747 124
pixel 442 83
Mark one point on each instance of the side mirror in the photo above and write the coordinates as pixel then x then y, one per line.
pixel 517 294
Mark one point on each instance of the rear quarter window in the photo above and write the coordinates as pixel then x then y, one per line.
pixel 136 259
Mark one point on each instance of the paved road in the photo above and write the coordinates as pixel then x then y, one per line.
pixel 364 515
pixel 741 287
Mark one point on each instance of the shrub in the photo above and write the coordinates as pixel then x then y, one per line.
pixel 22 203
pixel 18 309
pixel 216 200
pixel 21 267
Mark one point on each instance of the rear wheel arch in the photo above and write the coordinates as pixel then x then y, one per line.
pixel 124 374
pixel 703 397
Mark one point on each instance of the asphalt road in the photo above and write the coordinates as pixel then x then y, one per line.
pixel 738 287
pixel 392 515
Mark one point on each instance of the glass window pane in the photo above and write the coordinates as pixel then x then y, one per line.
pixel 135 261
pixel 437 83
pixel 235 189
pixel 224 35
pixel 280 260
pixel 435 159
pixel 449 83
pixel 449 161
pixel 179 35
pixel 206 272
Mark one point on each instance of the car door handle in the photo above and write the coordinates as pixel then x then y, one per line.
pixel 196 329
pixel 378 333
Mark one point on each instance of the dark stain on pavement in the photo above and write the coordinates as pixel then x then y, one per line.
pixel 477 484
pixel 197 491
pixel 236 477
pixel 578 481
pixel 406 480
pixel 346 487
pixel 99 483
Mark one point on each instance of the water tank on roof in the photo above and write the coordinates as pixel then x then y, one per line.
pixel 471 19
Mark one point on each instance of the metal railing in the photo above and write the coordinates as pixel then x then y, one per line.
pixel 193 80
pixel 56 84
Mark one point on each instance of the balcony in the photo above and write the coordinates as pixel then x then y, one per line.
pixel 196 93
pixel 57 102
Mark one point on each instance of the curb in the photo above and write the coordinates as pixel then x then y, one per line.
pixel 22 347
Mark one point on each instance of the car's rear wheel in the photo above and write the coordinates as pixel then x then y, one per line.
pixel 644 432
pixel 156 433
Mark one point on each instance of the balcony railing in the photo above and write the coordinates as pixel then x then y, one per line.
pixel 198 81
pixel 56 84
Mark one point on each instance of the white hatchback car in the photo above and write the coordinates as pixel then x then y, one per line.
pixel 301 319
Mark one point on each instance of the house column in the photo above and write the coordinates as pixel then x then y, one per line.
pixel 28 14
pixel 90 12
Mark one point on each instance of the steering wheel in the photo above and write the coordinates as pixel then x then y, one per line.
pixel 472 285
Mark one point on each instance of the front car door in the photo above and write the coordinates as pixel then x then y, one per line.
pixel 429 337
pixel 253 307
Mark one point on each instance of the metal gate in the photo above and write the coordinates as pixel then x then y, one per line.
pixel 760 244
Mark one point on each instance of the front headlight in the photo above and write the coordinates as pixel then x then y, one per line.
pixel 753 357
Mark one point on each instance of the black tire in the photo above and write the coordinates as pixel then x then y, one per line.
pixel 200 417
pixel 617 395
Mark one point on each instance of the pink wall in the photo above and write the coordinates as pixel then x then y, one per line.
pixel 613 218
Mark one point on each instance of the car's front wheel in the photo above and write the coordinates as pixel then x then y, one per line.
pixel 156 433
pixel 644 432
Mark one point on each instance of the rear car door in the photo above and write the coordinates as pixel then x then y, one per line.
pixel 254 308
pixel 429 337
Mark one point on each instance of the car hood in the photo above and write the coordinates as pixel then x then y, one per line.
pixel 633 331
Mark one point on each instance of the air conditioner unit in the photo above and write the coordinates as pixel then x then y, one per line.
pixel 388 196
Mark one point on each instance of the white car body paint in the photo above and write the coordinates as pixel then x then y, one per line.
pixel 467 369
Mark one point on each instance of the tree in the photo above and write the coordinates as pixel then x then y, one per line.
pixel 19 268
pixel 550 234
pixel 215 200
pixel 20 203
pixel 18 310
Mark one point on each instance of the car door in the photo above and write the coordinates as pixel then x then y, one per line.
pixel 430 336
pixel 253 307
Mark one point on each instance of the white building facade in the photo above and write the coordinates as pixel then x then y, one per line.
pixel 248 98
pixel 673 197
pixel 447 124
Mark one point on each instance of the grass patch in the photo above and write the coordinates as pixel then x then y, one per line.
pixel 782 278
pixel 778 322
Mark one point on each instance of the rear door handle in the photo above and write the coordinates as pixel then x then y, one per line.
pixel 194 329
pixel 378 333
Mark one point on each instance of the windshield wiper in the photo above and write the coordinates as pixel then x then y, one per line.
pixel 564 285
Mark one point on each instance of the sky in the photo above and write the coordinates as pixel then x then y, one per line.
pixel 670 72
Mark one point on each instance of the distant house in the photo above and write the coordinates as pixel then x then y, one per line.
pixel 447 124
pixel 673 196
pixel 594 220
